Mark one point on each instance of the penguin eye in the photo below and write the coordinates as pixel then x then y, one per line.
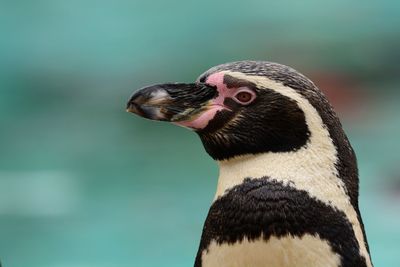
pixel 244 97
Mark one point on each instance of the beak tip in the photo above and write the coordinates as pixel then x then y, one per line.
pixel 131 108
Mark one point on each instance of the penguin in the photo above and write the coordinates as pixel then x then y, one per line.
pixel 287 191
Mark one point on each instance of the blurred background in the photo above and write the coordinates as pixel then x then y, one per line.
pixel 83 183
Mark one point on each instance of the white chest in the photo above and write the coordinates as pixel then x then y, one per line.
pixel 308 251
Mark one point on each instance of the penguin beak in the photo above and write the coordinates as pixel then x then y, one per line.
pixel 174 102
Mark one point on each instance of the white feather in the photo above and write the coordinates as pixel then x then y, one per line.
pixel 288 251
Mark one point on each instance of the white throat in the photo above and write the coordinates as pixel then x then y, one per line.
pixel 310 168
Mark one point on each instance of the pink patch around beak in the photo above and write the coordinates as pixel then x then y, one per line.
pixel 202 120
pixel 217 104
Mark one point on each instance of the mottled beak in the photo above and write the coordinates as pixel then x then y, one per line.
pixel 174 102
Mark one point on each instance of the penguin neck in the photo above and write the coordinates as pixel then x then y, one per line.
pixel 310 168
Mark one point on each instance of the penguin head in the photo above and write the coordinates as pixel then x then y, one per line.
pixel 239 108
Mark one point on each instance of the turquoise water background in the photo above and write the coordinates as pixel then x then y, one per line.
pixel 84 184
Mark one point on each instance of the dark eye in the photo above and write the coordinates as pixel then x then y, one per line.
pixel 244 97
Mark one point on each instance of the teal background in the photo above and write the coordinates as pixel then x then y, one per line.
pixel 83 183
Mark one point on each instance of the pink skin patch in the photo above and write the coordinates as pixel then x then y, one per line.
pixel 202 120
pixel 217 104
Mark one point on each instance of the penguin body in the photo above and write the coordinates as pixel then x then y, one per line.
pixel 263 222
pixel 287 192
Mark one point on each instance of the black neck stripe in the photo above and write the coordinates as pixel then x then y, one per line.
pixel 265 207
